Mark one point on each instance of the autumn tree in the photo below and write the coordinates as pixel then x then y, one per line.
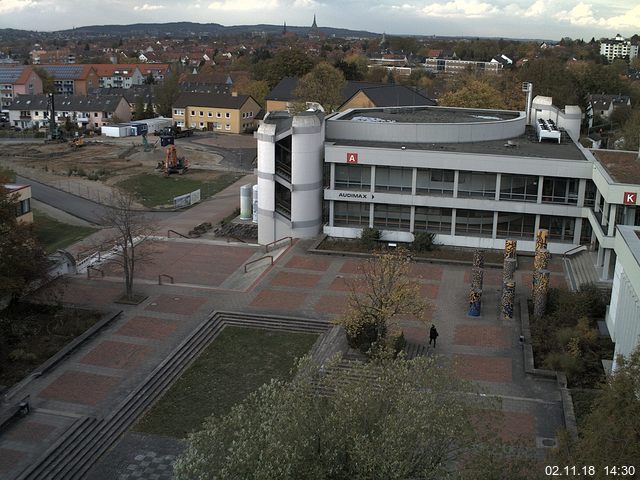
pixel 474 94
pixel 127 228
pixel 285 63
pixel 381 292
pixel 258 89
pixel 609 435
pixel 631 131
pixel 167 92
pixel 22 258
pixel 323 84
pixel 48 85
pixel 138 109
pixel 394 420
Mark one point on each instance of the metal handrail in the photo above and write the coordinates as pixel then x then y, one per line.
pixel 571 250
pixel 89 268
pixel 257 260
pixel 177 233
pixel 266 247
pixel 164 275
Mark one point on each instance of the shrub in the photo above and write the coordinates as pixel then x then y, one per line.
pixel 19 355
pixel 422 242
pixel 369 237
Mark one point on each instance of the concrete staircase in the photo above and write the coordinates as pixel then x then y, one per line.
pixel 581 271
pixel 80 447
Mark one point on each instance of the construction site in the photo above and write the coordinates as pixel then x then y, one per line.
pixel 93 167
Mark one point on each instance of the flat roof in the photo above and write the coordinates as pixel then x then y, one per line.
pixel 14 186
pixel 427 115
pixel 523 146
pixel 631 236
pixel 622 167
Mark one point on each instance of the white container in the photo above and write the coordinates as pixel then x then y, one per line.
pixel 116 130
pixel 245 201
pixel 255 204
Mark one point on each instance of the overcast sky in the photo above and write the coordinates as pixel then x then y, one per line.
pixel 548 19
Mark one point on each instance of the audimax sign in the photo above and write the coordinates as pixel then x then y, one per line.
pixel 630 198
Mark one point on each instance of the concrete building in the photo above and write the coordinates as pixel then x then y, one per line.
pixel 18 80
pixel 472 177
pixel 623 313
pixel 72 79
pixel 215 112
pixel 91 112
pixel 618 47
pixel 23 198
pixel 455 65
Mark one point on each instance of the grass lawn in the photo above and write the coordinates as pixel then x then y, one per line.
pixel 7 173
pixel 54 234
pixel 154 189
pixel 31 333
pixel 237 362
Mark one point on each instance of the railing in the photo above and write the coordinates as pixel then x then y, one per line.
pixel 164 275
pixel 177 233
pixel 89 268
pixel 266 247
pixel 233 237
pixel 270 257
pixel 573 250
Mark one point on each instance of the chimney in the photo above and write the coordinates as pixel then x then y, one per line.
pixel 234 94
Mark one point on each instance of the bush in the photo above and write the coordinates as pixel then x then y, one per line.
pixel 369 237
pixel 422 242
pixel 19 355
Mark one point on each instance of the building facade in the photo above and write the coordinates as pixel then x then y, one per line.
pixel 18 80
pixel 215 112
pixel 23 201
pixel 618 47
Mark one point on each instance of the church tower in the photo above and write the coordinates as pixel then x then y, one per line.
pixel 314 24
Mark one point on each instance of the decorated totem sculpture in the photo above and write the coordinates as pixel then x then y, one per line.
pixel 508 282
pixel 541 274
pixel 477 276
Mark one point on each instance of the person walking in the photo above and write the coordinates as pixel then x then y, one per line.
pixel 433 335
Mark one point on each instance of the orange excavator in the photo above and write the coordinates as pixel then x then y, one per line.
pixel 172 162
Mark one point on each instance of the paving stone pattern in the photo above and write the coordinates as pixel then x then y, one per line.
pixel 149 466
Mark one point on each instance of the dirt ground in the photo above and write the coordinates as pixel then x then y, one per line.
pixel 92 170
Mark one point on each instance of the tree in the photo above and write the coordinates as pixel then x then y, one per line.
pixel 138 109
pixel 22 258
pixel 394 420
pixel 258 89
pixel 128 228
pixel 286 63
pixel 609 435
pixel 323 84
pixel 381 293
pixel 474 94
pixel 150 79
pixel 47 80
pixel 148 111
pixel 167 93
pixel 631 131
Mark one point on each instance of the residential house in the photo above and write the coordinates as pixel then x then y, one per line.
pixel 59 55
pixel 18 80
pixel 354 94
pixel 72 79
pixel 215 112
pixel 604 105
pixel 23 198
pixel 88 111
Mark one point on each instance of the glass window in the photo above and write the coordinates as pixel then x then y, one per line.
pixel 393 179
pixel 432 219
pixel 560 190
pixel 227 115
pixel 193 113
pixel 352 177
pixel 475 223
pixel 519 187
pixel 283 200
pixel 350 214
pixel 560 228
pixel 516 225
pixel 227 127
pixel 392 217
pixel 476 184
pixel 434 182
pixel 590 194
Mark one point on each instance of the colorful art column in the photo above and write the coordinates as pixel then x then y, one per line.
pixel 542 237
pixel 477 276
pixel 508 297
pixel 540 293
pixel 540 262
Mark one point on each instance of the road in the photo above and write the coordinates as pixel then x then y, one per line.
pixel 74 205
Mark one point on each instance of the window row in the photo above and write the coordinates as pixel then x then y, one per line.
pixel 470 184
pixel 209 114
pixel 474 223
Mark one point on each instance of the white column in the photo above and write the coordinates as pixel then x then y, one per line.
pixel 453 221
pixel 577 230
pixel 612 219
pixel 456 178
pixel 494 230
pixel 582 188
pixel 498 180
pixel 540 183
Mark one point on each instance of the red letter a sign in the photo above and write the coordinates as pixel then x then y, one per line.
pixel 630 198
pixel 352 158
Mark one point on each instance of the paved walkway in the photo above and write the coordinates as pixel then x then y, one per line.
pixel 99 375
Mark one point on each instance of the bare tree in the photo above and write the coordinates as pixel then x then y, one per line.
pixel 127 229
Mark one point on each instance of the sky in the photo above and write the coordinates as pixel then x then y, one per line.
pixel 540 19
